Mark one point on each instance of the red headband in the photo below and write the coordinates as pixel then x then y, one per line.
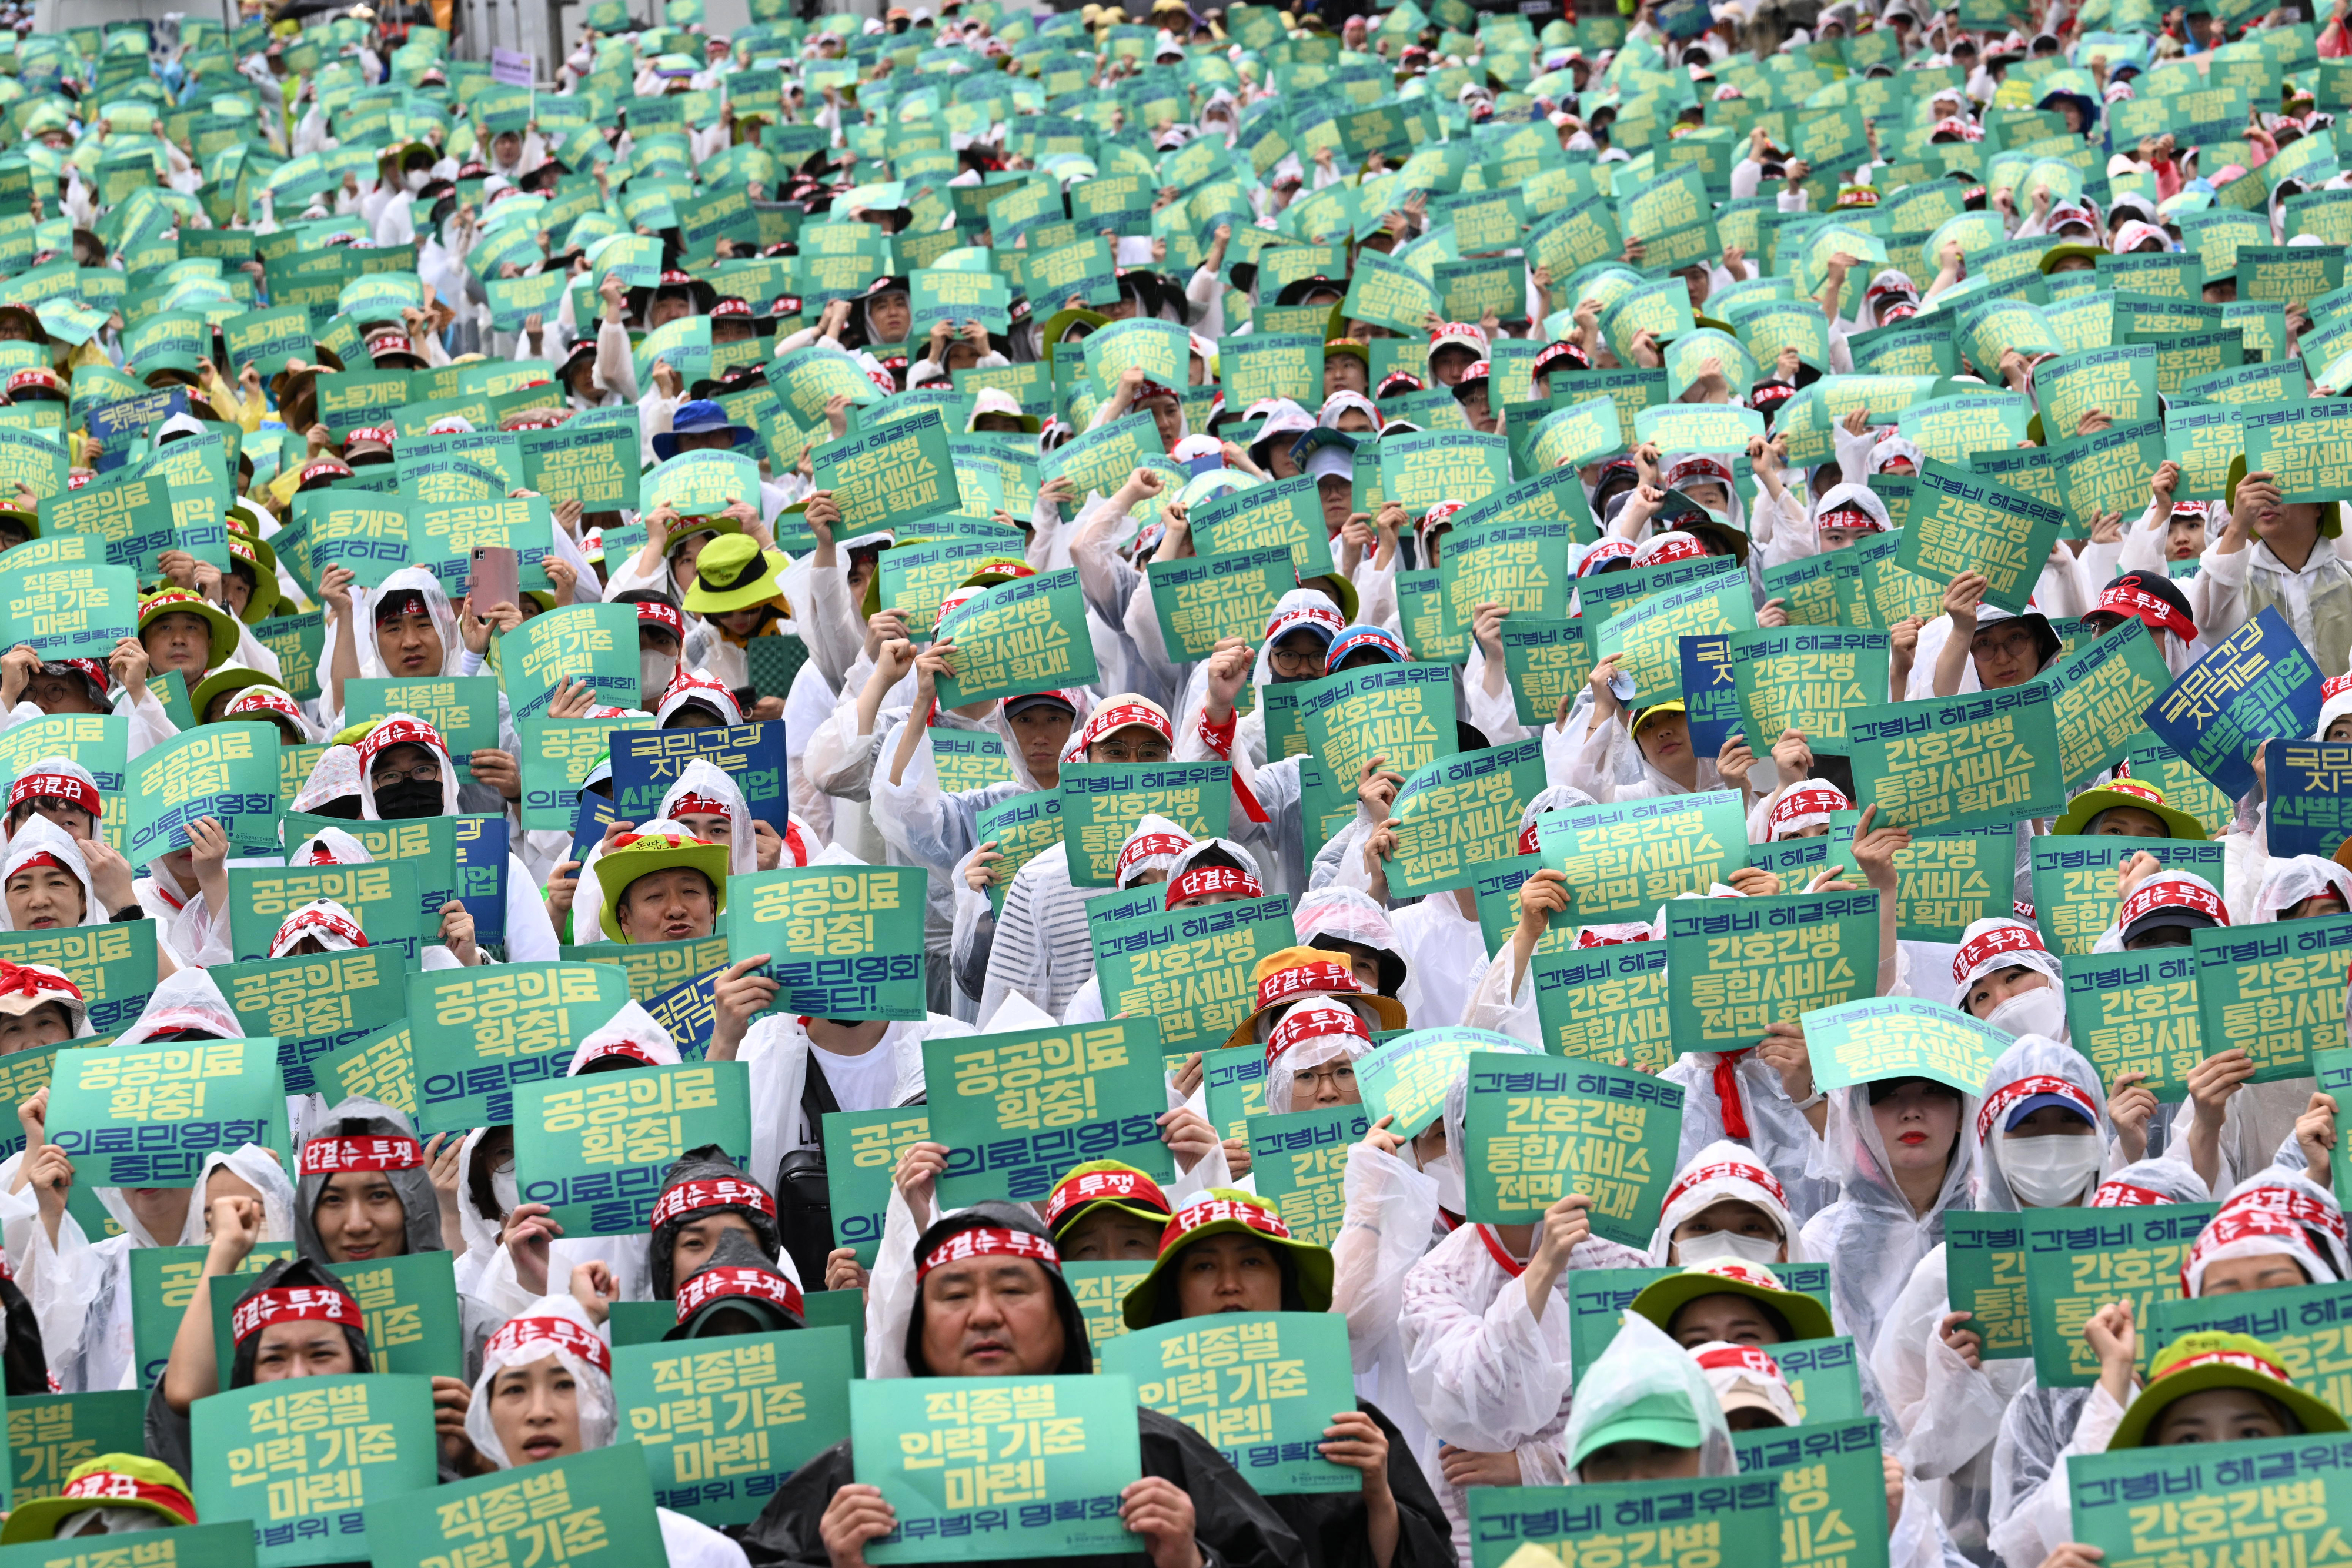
pixel 34 982
pixel 1741 1358
pixel 662 615
pixel 561 1332
pixel 2122 598
pixel 1730 1170
pixel 1147 847
pixel 1102 721
pixel 1095 1187
pixel 720 1192
pixel 2245 1361
pixel 310 916
pixel 2123 1194
pixel 987 1241
pixel 325 1156
pixel 1209 1210
pixel 301 1304
pixel 717 1284
pixel 1302 1024
pixel 1996 1105
pixel 256 699
pixel 399 732
pixel 697 805
pixel 41 858
pixel 2159 892
pixel 56 785
pixel 1212 879
pixel 1328 977
pixel 114 1485
pixel 2015 936
pixel 1809 801
pixel 1849 517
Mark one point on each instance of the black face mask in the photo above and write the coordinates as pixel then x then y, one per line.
pixel 409 798
pixel 343 806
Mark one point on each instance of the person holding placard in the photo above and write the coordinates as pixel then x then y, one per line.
pixel 2037 1145
pixel 990 1302
pixel 1104 1211
pixel 1227 1251
pixel 52 880
pixel 1198 873
pixel 546 1390
pixel 2270 1234
pixel 2271 554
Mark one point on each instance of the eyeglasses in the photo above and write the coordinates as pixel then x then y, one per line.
pixel 1289 663
pixel 430 773
pixel 1317 1077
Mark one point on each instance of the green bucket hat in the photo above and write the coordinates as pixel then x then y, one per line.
pixel 2197 1362
pixel 734 573
pixel 2136 793
pixel 231 677
pixel 1222 1210
pixel 642 854
pixel 109 1480
pixel 187 601
pixel 1662 1299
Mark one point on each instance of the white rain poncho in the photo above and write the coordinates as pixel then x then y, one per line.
pixel 40 837
pixel 2273 1211
pixel 1349 914
pixel 1872 1232
pixel 480 1234
pixel 1158 844
pixel 80 1290
pixel 188 999
pixel 2287 883
pixel 335 775
pixel 1485 1373
pixel 1947 1414
pixel 2029 1511
pixel 408 580
pixel 1313 1033
pixel 1722 1172
pixel 702 780
pixel 1640 1364
pixel 323 920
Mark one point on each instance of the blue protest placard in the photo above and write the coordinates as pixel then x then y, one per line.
pixel 482 875
pixel 646 763
pixel 2257 683
pixel 1709 692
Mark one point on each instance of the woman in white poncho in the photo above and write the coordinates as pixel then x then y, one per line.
pixel 546 1390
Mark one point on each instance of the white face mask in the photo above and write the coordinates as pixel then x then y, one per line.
pixel 2051 1171
pixel 2041 1010
pixel 654 673
pixel 1727 1244
pixel 416 179
pixel 504 1192
pixel 1451 1195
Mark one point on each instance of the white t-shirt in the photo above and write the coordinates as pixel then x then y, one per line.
pixel 863 1082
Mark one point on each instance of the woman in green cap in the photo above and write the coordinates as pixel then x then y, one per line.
pixel 1229 1252
pixel 113 1494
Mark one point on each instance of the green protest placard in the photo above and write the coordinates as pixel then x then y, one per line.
pixel 1401 712
pixel 1943 882
pixel 2295 273
pixel 1189 969
pixel 49 1434
pixel 2165 274
pixel 1545 1129
pixel 2303 1324
pixel 861 1151
pixel 595 645
pixel 591 1509
pixel 1232 1086
pixel 1299 1164
pixel 841 941
pixel 1102 802
pixel 593 1149
pixel 1204 599
pixel 1519 565
pixel 1983 759
pixel 1734 1520
pixel 1389 294
pixel 929 1445
pixel 2075 896
pixel 1101 1290
pixel 2078 1260
pixel 133 515
pixel 113 964
pixel 1807 587
pixel 300 1460
pixel 1604 1004
pixel 314 1004
pixel 1259 1387
pixel 1457 815
pixel 2264 990
pixel 1949 428
pixel 887 477
pixel 1877 1037
pixel 1021 636
pixel 1420 470
pixel 77 611
pixel 1007 1106
pixel 2204 439
pixel 2137 1012
pixel 1963 522
pixel 2118 381
pixel 1985 1255
pixel 2100 694
pixel 721 1422
pixel 1547 663
pixel 1647 637
pixel 1406 1077
pixel 2183 358
pixel 1793 678
pixel 594 465
pixel 1758 960
pixel 227 771
pixel 1254 365
pixel 381 1067
pixel 1578 434
pixel 1022 828
pixel 387 898
pixel 2307 446
pixel 703 483
pixel 463 708
pixel 147 1115
pixel 557 755
pixel 369 536
pixel 1158 348
pixel 1622 862
pixel 476 1035
pixel 915 576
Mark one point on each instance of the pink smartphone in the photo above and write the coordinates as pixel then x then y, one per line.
pixel 493 577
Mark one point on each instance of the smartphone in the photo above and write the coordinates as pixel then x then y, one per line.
pixel 494 576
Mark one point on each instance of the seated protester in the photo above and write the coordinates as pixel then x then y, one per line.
pixel 1484 1330
pixel 223 683
pixel 270 703
pixel 60 789
pixel 892 1285
pixel 737 1289
pixel 1641 754
pixel 1645 1413
pixel 1845 516
pixel 2293 557
pixel 2157 602
pixel 990 1302
pixel 1723 1204
pixel 52 880
pixel 182 630
pixel 737 593
pixel 545 1390
pixel 639 1268
pixel 2130 808
pixel 31 688
pixel 2202 1388
pixel 406 772
pixel 1295 648
pixel 1730 1299
pixel 1103 1211
pixel 2045 1425
pixel 1982 647
pixel 1894 1146
pixel 2006 979
pixel 1228 1252
pixel 113 1494
pixel 1204 871
pixel 1748 1384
